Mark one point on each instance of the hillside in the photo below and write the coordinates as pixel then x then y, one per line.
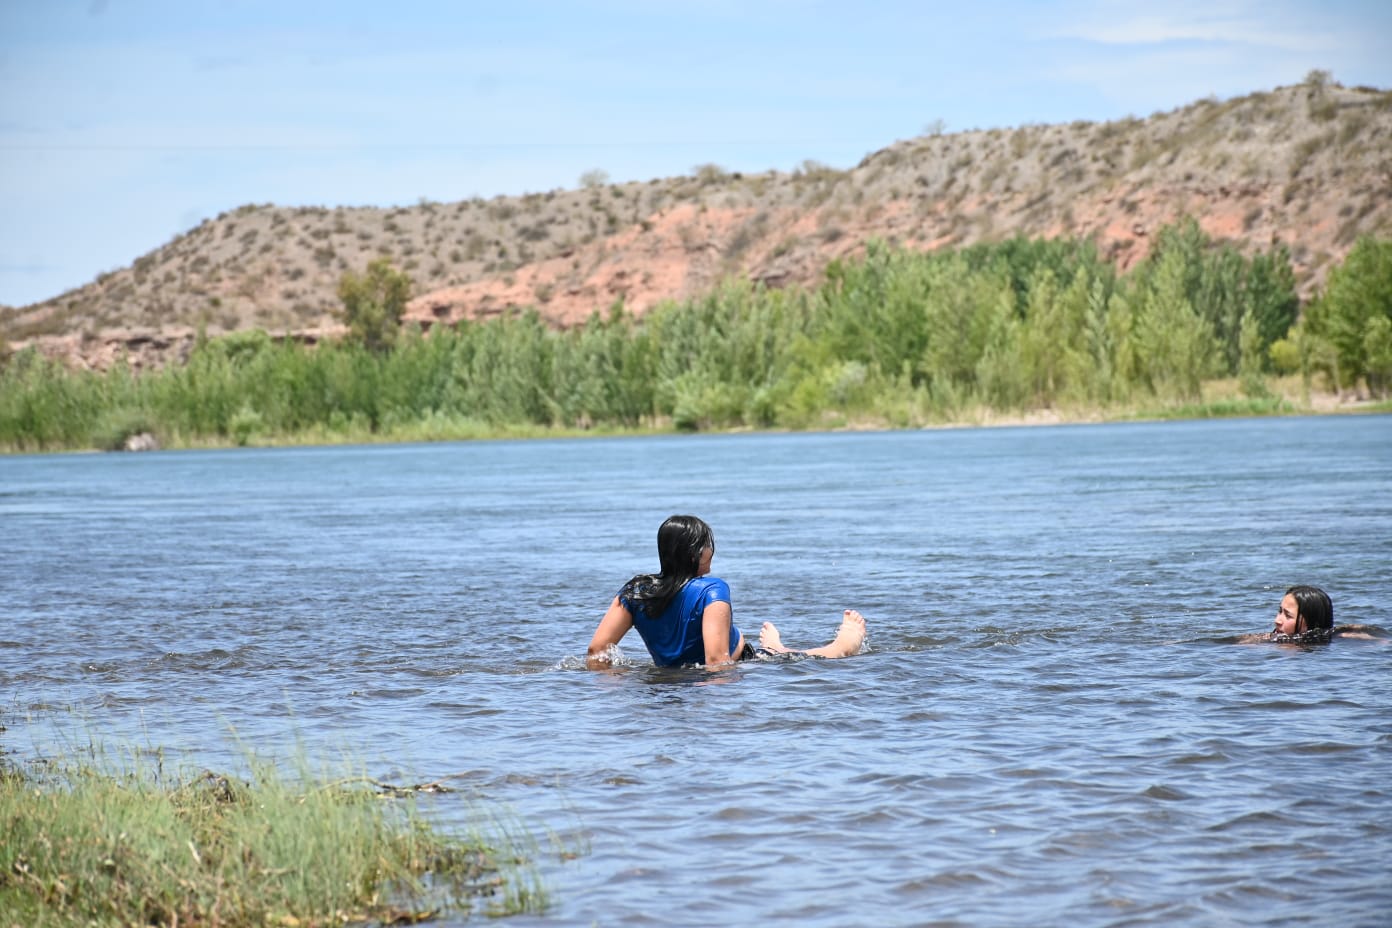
pixel 1308 166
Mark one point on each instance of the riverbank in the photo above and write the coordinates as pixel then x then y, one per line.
pixel 119 840
pixel 1222 398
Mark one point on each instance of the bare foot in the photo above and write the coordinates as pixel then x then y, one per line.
pixel 849 637
pixel 770 640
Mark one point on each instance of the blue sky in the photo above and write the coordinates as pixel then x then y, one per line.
pixel 126 122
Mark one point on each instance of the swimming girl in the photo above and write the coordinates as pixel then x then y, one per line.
pixel 1306 616
pixel 684 615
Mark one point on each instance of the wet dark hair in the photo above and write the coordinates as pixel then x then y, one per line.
pixel 680 540
pixel 1315 611
pixel 1314 617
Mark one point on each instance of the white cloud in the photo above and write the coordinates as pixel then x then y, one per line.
pixel 1243 23
pixel 1144 59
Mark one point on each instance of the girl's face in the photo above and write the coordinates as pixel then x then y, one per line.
pixel 706 554
pixel 1288 616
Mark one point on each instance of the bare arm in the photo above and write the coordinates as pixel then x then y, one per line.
pixel 715 631
pixel 1368 632
pixel 615 624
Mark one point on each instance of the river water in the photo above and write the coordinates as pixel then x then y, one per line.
pixel 1051 723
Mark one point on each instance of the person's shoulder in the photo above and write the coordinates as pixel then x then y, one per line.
pixel 714 585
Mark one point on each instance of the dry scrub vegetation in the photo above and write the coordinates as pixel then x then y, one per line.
pixel 1309 166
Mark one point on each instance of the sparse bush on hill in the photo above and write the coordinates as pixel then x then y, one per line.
pixel 709 174
pixel 1321 107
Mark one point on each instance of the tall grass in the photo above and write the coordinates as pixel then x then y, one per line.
pixel 120 841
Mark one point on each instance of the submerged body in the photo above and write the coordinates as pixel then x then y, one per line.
pixel 677 635
pixel 685 616
pixel 1306 616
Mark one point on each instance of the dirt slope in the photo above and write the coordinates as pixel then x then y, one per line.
pixel 1308 166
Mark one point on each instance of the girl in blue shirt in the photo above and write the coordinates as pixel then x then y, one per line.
pixel 684 616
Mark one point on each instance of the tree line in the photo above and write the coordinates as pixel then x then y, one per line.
pixel 895 337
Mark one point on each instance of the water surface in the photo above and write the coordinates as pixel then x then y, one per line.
pixel 1051 724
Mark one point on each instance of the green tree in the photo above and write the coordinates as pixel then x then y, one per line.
pixel 1057 349
pixel 1253 359
pixel 373 303
pixel 1357 294
pixel 1223 286
pixel 1270 295
pixel 1176 346
pixel 1100 340
pixel 1001 376
pixel 1377 349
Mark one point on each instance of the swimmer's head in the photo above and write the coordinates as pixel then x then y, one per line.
pixel 1304 609
pixel 682 542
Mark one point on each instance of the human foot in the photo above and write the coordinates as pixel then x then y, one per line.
pixel 849 637
pixel 770 640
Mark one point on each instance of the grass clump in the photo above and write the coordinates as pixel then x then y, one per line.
pixel 93 845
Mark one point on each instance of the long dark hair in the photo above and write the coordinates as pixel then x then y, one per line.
pixel 680 540
pixel 1313 607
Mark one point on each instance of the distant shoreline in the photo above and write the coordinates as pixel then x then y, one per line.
pixel 1220 402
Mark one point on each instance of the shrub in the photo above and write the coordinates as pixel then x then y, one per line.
pixel 245 423
pixel 373 303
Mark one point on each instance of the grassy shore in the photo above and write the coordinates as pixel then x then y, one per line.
pixel 108 842
pixel 1220 398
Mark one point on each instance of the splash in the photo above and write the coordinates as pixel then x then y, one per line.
pixel 612 654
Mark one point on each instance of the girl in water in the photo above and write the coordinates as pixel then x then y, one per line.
pixel 1306 616
pixel 684 615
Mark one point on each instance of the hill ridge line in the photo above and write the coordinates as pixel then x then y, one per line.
pixel 1308 167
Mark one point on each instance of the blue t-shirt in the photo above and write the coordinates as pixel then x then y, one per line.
pixel 674 637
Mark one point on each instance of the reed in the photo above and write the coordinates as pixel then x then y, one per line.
pixel 115 842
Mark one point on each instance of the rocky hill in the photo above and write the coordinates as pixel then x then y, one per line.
pixel 1309 166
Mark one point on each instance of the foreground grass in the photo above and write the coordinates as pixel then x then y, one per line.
pixel 107 844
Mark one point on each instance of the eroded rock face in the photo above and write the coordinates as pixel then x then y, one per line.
pixel 141 441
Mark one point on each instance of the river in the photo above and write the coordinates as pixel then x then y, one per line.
pixel 1051 722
